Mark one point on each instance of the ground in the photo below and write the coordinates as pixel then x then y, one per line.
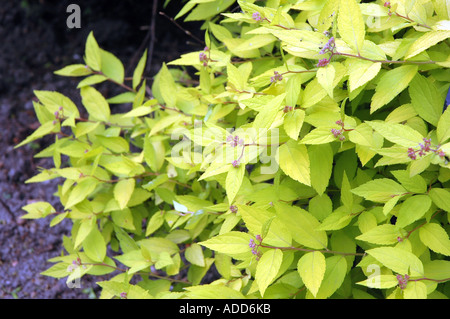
pixel 35 42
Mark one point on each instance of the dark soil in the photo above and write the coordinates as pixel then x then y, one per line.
pixel 35 42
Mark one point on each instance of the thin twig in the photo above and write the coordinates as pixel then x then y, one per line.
pixel 181 28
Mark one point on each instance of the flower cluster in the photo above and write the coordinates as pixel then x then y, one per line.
pixel 233 209
pixel 276 77
pixel 75 264
pixel 235 141
pixel 402 281
pixel 328 47
pixel 323 62
pixel 287 108
pixel 256 16
pixel 254 246
pixel 236 163
pixel 123 295
pixel 424 149
pixel 339 133
pixel 203 57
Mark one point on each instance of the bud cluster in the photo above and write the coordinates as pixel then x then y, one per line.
pixel 256 16
pixel 254 246
pixel 75 264
pixel 203 57
pixel 424 149
pixel 235 141
pixel 328 47
pixel 339 133
pixel 402 281
pixel 276 77
pixel 233 209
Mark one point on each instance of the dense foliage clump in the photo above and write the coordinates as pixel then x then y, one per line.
pixel 306 157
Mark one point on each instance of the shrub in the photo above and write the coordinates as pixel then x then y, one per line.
pixel 306 157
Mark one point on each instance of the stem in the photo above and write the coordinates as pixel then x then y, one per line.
pixel 411 20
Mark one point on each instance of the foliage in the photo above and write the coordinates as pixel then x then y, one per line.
pixel 306 156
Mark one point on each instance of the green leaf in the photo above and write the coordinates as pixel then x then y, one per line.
pixel 385 234
pixel 380 282
pixel 325 77
pixel 194 254
pixel 361 72
pixel 391 84
pixel 112 67
pixel 302 226
pixel 82 190
pixel 427 40
pixel 412 209
pixel 137 74
pixel 123 218
pixel 293 122
pixel 441 197
pixel 294 161
pixel 414 184
pixel 267 268
pixel 94 245
pixel 335 271
pixel 74 70
pixel 436 238
pixel 398 260
pixel 426 99
pixel 167 86
pixel 443 129
pixel 379 190
pixel 415 290
pixel 397 133
pixel 311 268
pixel 351 24
pixel 234 180
pixel 256 218
pixel 123 191
pixel 234 244
pixel 95 104
pixel 93 56
pixel 213 291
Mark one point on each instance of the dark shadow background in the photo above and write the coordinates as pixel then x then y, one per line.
pixel 34 42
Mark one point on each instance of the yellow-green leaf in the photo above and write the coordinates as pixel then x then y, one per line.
pixel 267 268
pixel 391 84
pixel 436 238
pixel 311 268
pixel 234 180
pixel 294 161
pixel 123 190
pixel 93 55
pixel 351 24
pixel 325 77
pixel 425 41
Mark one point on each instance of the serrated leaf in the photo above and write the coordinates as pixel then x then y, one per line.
pixel 311 268
pixel 379 190
pixel 351 24
pixel 194 254
pixel 95 104
pixel 441 197
pixel 267 268
pixel 380 282
pixel 436 238
pixel 93 55
pixel 111 66
pixel 412 209
pixel 443 127
pixel 123 191
pixel 325 77
pixel 81 191
pixel 234 244
pixel 233 181
pixel 294 161
pixel 425 41
pixel 139 70
pixel 293 122
pixel 415 290
pixel 336 269
pixel 397 133
pixel 398 260
pixel 302 226
pixel 391 84
pixel 385 234
pixel 426 99
pixel 361 72
pixel 94 245
pixel 321 166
